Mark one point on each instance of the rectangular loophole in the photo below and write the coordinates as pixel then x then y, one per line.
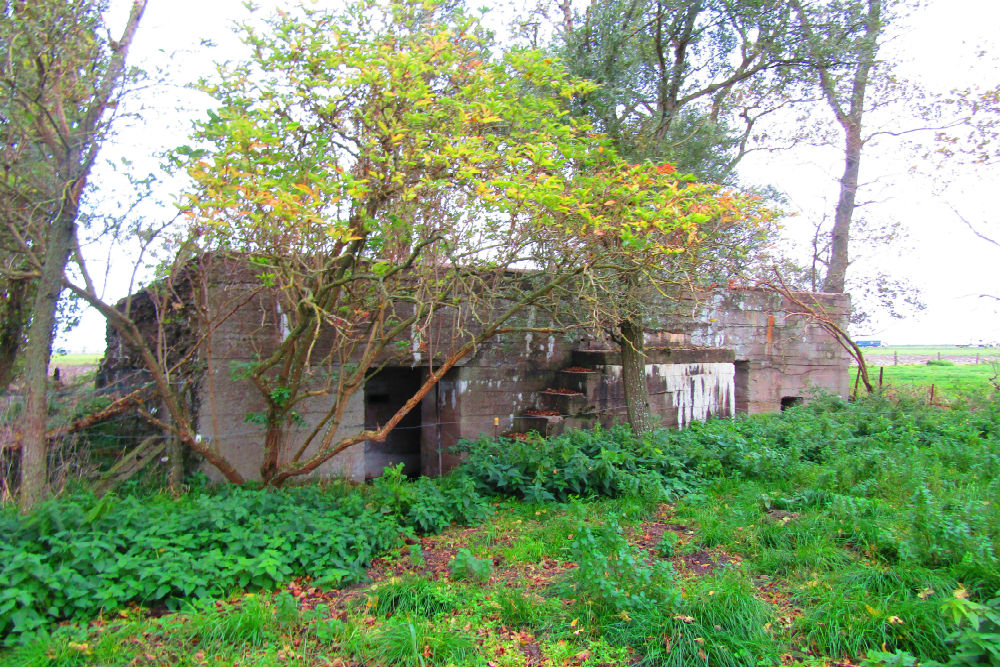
pixel 790 402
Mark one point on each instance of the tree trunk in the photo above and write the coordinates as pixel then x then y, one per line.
pixel 34 448
pixel 273 441
pixel 840 234
pixel 15 318
pixel 633 352
pixel 175 460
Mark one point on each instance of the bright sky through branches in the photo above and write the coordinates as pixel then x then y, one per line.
pixel 950 43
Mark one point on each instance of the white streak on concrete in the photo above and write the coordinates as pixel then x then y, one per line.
pixel 529 337
pixel 415 342
pixel 700 390
pixel 283 324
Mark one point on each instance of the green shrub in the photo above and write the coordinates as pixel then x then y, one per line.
pixel 976 641
pixel 416 555
pixel 610 576
pixel 902 481
pixel 428 504
pixel 901 486
pixel 601 462
pixel 667 546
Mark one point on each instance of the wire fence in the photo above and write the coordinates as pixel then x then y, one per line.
pixel 73 455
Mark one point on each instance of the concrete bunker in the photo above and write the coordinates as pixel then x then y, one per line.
pixel 713 354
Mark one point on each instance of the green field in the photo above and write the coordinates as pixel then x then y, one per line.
pixel 75 360
pixel 932 351
pixel 949 381
pixel 832 534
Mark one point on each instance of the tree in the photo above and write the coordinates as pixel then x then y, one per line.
pixel 978 142
pixel 390 183
pixel 973 143
pixel 845 38
pixel 681 81
pixel 875 293
pixel 664 236
pixel 681 84
pixel 61 76
pixel 404 197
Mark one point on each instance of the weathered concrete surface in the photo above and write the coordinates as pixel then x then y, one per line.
pixel 725 352
pixel 778 349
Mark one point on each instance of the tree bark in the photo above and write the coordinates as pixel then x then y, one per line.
pixel 34 450
pixel 273 443
pixel 633 353
pixel 15 319
pixel 836 274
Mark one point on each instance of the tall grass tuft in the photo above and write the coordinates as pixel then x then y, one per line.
pixel 411 595
pixel 719 622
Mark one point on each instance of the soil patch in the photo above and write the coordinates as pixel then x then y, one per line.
pixel 652 533
pixel 705 562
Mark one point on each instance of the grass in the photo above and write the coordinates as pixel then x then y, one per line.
pixel 731 616
pixel 76 359
pixel 826 534
pixel 933 351
pixel 951 381
pixel 411 595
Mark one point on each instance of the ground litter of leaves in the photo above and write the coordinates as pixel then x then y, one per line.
pixel 494 639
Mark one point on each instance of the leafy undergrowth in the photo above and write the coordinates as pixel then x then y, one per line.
pixel 608 582
pixel 76 556
pixel 833 534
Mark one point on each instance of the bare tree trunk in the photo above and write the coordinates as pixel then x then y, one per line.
pixel 848 106
pixel 34 449
pixel 633 353
pixel 15 319
pixel 175 460
pixel 273 442
pixel 836 274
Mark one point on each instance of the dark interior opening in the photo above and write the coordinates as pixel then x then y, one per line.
pixel 741 385
pixel 386 393
pixel 790 401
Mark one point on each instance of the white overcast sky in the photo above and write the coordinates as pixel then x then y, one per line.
pixel 941 51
